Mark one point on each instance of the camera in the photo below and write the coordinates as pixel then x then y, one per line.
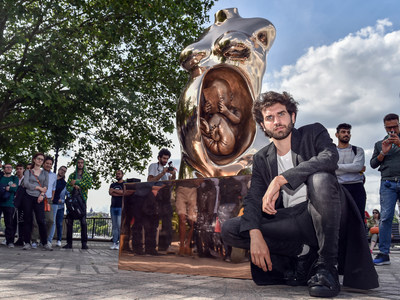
pixel 170 167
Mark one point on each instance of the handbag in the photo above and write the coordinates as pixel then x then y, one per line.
pixel 374 230
pixel 19 196
pixel 4 194
pixel 76 208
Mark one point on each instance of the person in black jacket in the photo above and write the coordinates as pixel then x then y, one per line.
pixel 295 207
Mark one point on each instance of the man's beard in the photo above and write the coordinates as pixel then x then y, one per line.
pixel 280 135
pixel 342 140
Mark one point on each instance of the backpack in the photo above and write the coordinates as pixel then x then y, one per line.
pixel 354 148
pixel 76 208
pixel 4 194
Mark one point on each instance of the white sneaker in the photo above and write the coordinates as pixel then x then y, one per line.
pixel 34 245
pixel 27 246
pixel 47 247
pixel 4 242
pixel 114 247
pixel 58 244
pixel 11 245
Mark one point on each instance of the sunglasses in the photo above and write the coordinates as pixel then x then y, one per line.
pixel 375 212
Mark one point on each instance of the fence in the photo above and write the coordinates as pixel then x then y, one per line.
pixel 99 228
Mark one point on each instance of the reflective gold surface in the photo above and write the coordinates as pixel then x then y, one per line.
pixel 214 121
pixel 175 226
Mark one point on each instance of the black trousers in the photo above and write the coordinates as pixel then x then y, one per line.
pixel 29 205
pixel 149 224
pixel 165 214
pixel 315 223
pixel 70 224
pixel 9 221
pixel 357 191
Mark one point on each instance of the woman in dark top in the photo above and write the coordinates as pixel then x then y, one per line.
pixel 35 183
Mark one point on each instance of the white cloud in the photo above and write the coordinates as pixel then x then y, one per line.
pixel 353 80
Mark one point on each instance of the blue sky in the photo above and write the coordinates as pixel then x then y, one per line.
pixel 339 59
pixel 311 23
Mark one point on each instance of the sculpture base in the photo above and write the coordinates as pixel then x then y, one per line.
pixel 175 227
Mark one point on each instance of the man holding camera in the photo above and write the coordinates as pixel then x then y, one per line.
pixel 158 171
pixel 387 157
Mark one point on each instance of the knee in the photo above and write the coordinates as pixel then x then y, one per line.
pixel 322 185
pixel 229 229
pixel 321 180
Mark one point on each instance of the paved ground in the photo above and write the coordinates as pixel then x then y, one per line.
pixel 94 274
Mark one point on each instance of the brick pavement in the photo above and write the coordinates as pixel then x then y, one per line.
pixel 94 274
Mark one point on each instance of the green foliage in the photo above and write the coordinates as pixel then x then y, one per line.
pixel 93 78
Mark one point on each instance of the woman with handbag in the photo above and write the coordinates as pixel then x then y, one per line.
pixel 373 226
pixel 35 183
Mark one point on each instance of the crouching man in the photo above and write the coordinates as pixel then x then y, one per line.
pixel 296 210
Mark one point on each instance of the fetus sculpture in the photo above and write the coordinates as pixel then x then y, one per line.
pixel 214 120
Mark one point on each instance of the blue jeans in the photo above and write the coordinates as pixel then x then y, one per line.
pixel 389 192
pixel 115 213
pixel 58 216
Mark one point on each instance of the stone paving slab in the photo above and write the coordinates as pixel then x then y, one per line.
pixel 94 274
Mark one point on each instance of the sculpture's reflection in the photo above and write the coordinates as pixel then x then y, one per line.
pixel 174 226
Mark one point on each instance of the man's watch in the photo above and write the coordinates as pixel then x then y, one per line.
pixel 382 153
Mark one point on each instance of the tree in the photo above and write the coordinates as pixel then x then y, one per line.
pixel 99 77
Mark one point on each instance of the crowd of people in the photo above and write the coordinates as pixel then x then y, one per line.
pixel 306 194
pixel 32 202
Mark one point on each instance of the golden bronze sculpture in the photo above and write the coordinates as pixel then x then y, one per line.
pixel 214 121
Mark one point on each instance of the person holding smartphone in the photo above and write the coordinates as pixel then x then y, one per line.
pixel 387 157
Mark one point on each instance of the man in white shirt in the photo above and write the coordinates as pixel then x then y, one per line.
pixel 48 213
pixel 158 171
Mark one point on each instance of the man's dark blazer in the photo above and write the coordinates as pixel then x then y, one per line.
pixel 313 151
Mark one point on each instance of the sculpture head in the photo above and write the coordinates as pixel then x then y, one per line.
pixel 214 119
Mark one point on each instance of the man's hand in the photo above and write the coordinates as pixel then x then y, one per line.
pixel 272 193
pixel 259 251
pixel 392 139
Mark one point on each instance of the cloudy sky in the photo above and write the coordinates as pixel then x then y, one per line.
pixel 339 59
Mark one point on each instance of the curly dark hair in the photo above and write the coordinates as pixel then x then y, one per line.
pixel 163 152
pixel 270 98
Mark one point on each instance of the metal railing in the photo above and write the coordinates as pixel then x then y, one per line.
pixel 99 229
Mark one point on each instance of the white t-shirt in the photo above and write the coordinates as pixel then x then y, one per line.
pixel 52 185
pixel 290 197
pixel 157 168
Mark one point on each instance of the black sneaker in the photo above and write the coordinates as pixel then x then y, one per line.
pixel 381 259
pixel 303 268
pixel 138 251
pixel 67 246
pixel 85 246
pixel 152 252
pixel 324 282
